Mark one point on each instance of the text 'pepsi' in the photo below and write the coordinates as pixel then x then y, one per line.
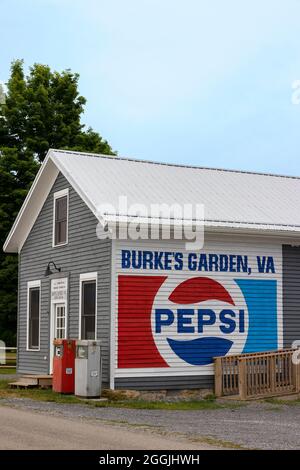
pixel 228 320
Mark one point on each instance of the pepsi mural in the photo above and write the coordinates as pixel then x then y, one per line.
pixel 177 310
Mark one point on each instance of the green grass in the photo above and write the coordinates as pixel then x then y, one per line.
pixel 10 359
pixel 3 384
pixel 7 370
pixel 47 395
pixel 218 443
pixel 160 405
pixel 279 401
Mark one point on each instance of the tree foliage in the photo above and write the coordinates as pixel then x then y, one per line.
pixel 40 111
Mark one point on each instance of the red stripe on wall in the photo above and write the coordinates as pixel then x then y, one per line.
pixel 134 322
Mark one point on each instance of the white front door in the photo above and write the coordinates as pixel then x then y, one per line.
pixel 59 328
pixel 58 316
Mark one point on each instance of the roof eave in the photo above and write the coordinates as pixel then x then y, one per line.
pixel 31 206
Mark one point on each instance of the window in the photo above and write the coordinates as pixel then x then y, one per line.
pixel 88 307
pixel 33 315
pixel 60 321
pixel 60 228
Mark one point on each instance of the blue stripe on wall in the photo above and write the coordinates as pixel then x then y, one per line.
pixel 261 300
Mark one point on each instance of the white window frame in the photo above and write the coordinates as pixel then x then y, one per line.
pixel 32 285
pixel 58 195
pixel 87 277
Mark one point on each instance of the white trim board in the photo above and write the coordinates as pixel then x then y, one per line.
pixel 92 276
pixel 58 195
pixel 32 206
pixel 32 285
pixel 112 354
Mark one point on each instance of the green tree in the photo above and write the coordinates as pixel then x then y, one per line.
pixel 2 94
pixel 40 111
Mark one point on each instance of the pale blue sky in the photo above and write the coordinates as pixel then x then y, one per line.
pixel 205 82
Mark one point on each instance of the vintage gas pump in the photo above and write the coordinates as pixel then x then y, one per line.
pixel 88 376
pixel 63 366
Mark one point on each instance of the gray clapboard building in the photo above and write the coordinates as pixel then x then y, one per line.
pixel 161 310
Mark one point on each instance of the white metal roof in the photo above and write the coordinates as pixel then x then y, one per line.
pixel 232 199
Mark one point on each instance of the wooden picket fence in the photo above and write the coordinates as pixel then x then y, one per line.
pixel 257 375
pixel 8 357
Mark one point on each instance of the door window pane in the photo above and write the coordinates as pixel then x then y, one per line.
pixel 60 319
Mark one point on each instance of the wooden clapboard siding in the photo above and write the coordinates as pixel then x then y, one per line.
pixel 291 294
pixel 83 253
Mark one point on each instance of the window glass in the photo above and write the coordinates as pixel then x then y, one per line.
pixel 60 329
pixel 61 214
pixel 34 318
pixel 88 310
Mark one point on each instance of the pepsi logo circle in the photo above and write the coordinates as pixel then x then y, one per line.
pixel 197 319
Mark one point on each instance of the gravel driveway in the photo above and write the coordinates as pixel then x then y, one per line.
pixel 256 425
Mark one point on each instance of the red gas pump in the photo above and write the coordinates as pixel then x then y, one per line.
pixel 64 365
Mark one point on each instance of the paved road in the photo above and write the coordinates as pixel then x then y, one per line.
pixel 257 425
pixel 31 430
